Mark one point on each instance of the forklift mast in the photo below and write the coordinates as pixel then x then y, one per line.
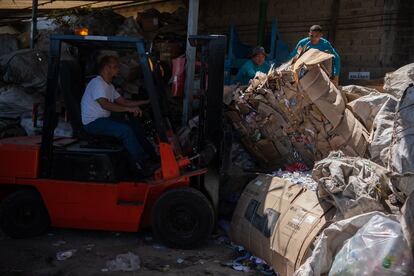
pixel 211 135
pixel 212 48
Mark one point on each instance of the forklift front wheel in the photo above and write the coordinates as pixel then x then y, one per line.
pixel 182 218
pixel 23 214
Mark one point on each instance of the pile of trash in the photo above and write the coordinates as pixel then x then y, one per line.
pixel 23 74
pixel 22 84
pixel 296 114
pixel 297 230
pixel 367 244
pixel 357 142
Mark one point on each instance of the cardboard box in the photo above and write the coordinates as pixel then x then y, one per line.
pixel 278 221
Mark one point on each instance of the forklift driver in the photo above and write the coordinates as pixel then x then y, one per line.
pixel 99 100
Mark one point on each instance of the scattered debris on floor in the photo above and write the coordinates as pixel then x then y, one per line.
pixel 244 261
pixel 59 243
pixel 64 255
pixel 124 262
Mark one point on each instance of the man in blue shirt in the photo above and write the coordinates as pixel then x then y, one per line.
pixel 257 63
pixel 316 41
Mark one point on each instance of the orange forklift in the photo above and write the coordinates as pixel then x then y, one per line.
pixel 85 182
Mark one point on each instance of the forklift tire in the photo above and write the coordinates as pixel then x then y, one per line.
pixel 23 214
pixel 182 218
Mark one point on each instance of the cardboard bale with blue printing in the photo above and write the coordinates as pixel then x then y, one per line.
pixel 278 221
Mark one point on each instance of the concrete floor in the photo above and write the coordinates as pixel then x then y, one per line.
pixel 37 256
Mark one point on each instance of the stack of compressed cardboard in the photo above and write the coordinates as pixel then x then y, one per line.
pixel 295 113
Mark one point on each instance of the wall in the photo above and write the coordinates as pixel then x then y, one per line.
pixel 370 35
pixel 375 35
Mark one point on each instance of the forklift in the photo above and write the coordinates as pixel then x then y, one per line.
pixel 81 182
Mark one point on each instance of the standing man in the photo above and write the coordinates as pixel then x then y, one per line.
pixel 100 99
pixel 257 63
pixel 316 41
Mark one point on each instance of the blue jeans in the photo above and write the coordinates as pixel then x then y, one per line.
pixel 122 131
pixel 135 125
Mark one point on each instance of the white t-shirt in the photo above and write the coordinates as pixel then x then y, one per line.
pixel 90 108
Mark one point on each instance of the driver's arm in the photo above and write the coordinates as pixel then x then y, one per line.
pixel 129 103
pixel 115 107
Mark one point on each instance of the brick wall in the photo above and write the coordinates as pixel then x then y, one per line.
pixel 371 35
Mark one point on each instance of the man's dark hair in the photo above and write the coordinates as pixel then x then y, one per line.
pixel 105 60
pixel 258 50
pixel 315 28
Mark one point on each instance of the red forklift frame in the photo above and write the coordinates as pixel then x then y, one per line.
pixel 27 184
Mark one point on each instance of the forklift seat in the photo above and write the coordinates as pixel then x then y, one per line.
pixel 71 86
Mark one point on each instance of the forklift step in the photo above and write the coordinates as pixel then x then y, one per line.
pixel 130 203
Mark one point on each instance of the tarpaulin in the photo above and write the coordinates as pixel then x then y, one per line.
pixel 353 184
pixel 396 82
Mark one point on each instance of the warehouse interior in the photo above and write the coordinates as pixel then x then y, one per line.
pixel 265 137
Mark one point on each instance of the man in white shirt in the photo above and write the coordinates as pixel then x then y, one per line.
pixel 100 99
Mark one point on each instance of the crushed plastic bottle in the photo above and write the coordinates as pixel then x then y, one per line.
pixel 298 177
pixel 64 255
pixel 124 262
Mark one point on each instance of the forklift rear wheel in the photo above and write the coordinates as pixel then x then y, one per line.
pixel 23 214
pixel 182 218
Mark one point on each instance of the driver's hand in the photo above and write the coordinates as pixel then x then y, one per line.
pixel 136 111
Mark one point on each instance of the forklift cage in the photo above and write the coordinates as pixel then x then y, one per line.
pixel 92 42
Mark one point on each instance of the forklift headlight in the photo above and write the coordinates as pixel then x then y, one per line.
pixel 82 31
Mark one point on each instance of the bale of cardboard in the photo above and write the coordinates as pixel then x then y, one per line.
pixel 294 113
pixel 278 221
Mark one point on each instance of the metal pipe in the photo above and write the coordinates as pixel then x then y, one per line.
pixel 33 32
pixel 334 20
pixel 262 22
pixel 190 61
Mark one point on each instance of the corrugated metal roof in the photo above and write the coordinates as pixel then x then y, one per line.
pixel 13 11
pixel 59 4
